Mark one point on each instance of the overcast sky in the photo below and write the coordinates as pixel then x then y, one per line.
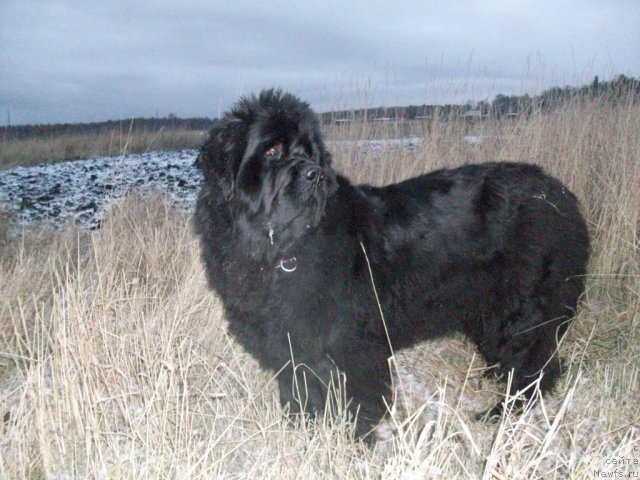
pixel 77 61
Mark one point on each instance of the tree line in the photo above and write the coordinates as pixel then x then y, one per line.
pixel 621 88
pixel 133 125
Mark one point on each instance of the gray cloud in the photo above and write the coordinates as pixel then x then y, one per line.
pixel 68 61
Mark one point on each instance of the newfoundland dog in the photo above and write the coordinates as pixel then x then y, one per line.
pixel 308 265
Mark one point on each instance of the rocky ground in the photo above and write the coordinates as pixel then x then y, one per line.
pixel 83 190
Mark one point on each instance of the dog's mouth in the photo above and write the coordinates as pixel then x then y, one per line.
pixel 298 197
pixel 298 185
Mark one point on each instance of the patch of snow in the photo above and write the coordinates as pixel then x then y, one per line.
pixel 407 142
pixel 83 190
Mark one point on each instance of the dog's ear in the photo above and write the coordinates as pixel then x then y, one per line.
pixel 325 156
pixel 311 120
pixel 217 155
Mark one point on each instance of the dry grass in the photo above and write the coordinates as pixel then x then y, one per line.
pixel 34 151
pixel 115 360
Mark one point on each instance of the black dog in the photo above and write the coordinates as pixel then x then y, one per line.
pixel 497 251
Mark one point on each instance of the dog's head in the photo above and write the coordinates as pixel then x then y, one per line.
pixel 267 158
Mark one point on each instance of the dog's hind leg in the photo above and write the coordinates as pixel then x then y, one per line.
pixel 530 356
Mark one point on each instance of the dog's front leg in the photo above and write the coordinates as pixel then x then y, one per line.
pixel 367 384
pixel 304 386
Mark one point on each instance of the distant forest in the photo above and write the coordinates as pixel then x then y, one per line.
pixel 622 87
pixel 133 125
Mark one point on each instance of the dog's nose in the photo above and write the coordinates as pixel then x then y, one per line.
pixel 314 174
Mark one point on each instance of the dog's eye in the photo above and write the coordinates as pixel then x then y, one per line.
pixel 273 152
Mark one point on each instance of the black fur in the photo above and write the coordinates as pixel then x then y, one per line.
pixel 496 251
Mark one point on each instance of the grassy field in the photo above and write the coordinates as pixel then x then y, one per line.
pixel 34 151
pixel 115 361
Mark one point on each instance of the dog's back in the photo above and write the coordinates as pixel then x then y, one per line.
pixel 501 249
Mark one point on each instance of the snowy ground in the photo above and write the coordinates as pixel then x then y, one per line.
pixel 83 190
